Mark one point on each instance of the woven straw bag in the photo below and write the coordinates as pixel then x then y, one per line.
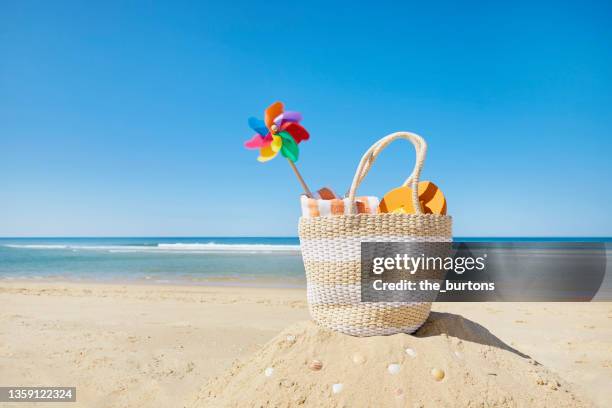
pixel 331 250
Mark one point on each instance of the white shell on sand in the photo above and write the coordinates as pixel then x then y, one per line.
pixel 458 354
pixel 358 358
pixel 411 352
pixel 337 388
pixel 394 368
pixel 269 371
pixel 290 338
pixel 437 374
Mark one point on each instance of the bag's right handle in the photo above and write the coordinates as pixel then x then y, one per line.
pixel 372 153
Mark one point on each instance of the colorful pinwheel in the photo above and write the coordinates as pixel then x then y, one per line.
pixel 280 131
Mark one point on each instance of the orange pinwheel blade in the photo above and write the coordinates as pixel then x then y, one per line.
pixel 272 112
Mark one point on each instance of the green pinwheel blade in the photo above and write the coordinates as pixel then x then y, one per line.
pixel 290 149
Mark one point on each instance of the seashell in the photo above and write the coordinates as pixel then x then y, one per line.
pixel 411 352
pixel 438 374
pixel 554 384
pixel 458 354
pixel 269 371
pixel 337 388
pixel 394 368
pixel 315 365
pixel 291 338
pixel 358 358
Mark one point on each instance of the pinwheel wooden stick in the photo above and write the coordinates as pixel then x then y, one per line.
pixel 301 180
pixel 279 132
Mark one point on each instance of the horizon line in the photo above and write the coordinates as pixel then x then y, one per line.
pixel 278 236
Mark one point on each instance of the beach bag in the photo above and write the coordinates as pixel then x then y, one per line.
pixel 331 251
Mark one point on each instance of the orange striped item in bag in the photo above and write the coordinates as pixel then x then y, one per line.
pixel 313 207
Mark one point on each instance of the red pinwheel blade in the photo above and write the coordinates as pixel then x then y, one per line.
pixel 296 130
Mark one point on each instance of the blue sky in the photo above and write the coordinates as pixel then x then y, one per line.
pixel 128 119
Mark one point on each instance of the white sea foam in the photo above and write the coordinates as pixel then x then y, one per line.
pixel 210 247
pixel 214 247
pixel 36 246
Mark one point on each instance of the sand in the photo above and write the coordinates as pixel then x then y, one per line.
pixel 471 366
pixel 133 346
pixel 144 346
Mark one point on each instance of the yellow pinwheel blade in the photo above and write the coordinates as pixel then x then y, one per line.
pixel 277 143
pixel 266 153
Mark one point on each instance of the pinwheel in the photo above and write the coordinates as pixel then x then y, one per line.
pixel 280 131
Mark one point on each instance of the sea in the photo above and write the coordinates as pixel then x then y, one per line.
pixel 257 261
pixel 249 261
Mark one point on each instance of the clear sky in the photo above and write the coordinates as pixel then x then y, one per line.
pixel 128 119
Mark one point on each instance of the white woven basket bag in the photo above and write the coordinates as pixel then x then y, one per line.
pixel 331 249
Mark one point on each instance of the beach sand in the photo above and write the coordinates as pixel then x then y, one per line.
pixel 156 345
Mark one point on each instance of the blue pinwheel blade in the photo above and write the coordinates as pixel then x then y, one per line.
pixel 258 125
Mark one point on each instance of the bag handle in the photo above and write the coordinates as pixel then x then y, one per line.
pixel 372 153
pixel 376 147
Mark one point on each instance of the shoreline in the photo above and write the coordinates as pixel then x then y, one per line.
pixel 241 282
pixel 602 296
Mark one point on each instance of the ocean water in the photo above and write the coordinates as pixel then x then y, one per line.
pixel 256 261
pixel 206 260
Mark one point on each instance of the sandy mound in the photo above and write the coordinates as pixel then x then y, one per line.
pixel 479 371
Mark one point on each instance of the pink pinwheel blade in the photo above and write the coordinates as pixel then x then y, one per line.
pixel 258 141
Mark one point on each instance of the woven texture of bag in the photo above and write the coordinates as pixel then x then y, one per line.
pixel 331 249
